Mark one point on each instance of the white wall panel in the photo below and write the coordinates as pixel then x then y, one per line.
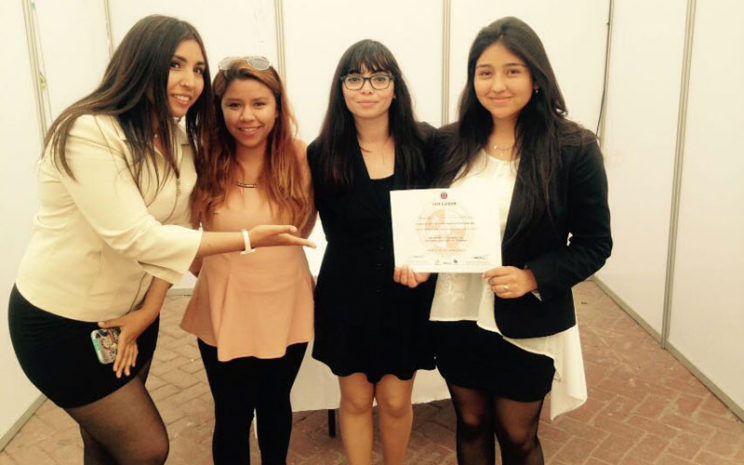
pixel 20 147
pixel 572 31
pixel 74 51
pixel 228 27
pixel 707 310
pixel 639 147
pixel 319 31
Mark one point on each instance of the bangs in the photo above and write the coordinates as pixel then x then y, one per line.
pixel 370 56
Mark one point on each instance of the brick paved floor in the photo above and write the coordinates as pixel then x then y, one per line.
pixel 644 408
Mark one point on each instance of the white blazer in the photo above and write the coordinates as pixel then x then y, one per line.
pixel 98 239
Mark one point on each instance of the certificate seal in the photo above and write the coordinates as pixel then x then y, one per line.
pixel 445 227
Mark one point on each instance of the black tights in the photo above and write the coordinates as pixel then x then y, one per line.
pixel 123 428
pixel 481 415
pixel 243 385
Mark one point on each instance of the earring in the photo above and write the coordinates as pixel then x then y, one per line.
pixel 537 90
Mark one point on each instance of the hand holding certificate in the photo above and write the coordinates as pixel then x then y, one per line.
pixel 445 231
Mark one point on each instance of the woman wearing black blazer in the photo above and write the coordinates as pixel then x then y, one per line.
pixel 505 339
pixel 369 329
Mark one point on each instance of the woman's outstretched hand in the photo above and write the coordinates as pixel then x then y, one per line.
pixel 270 235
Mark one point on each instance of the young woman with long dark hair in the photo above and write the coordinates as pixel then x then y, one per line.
pixel 114 225
pixel 253 315
pixel 370 319
pixel 505 339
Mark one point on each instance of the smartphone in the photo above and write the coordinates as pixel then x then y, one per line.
pixel 105 342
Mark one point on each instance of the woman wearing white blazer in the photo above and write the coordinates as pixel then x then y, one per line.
pixel 113 233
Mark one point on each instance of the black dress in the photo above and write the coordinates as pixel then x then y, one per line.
pixel 364 321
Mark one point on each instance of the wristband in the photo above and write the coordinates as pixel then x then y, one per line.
pixel 246 242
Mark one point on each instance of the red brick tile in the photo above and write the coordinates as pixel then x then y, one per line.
pixel 739 457
pixel 672 460
pixel 596 461
pixel 685 424
pixel 56 418
pixel 179 378
pixel 652 406
pixel 586 412
pixel 553 433
pixel 650 426
pixel 160 369
pixel 33 432
pixel 706 458
pixel 713 405
pixel 633 460
pixel 724 422
pixel 614 448
pixel 690 385
pixel 618 428
pixel 649 448
pixel 582 430
pixel 163 392
pixel 723 444
pixel 576 450
pixel 686 445
pixel 30 455
pixel 437 433
pixel 620 408
pixel 6 459
pixel 163 355
pixel 69 438
pixel 644 408
pixel 686 405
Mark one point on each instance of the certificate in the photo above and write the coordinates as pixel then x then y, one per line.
pixel 445 230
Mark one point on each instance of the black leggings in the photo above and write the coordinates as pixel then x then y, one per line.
pixel 243 385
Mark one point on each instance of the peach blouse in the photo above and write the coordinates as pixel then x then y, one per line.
pixel 252 305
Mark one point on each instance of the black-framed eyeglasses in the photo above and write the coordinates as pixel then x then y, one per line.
pixel 355 81
pixel 258 63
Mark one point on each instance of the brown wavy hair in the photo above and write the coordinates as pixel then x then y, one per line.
pixel 281 177
pixel 134 90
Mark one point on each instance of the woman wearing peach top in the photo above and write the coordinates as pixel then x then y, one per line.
pixel 253 315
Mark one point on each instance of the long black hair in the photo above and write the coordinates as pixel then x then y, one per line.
pixel 541 129
pixel 338 136
pixel 134 90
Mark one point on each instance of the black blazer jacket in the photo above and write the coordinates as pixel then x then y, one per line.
pixel 561 253
pixel 355 282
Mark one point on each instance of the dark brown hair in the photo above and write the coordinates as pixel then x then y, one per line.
pixel 134 90
pixel 338 136
pixel 542 127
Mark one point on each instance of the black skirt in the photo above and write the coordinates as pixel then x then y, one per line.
pixel 472 357
pixel 374 350
pixel 57 354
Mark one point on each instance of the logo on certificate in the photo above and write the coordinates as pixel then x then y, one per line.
pixel 445 228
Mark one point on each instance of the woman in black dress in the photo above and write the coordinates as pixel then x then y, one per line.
pixel 370 330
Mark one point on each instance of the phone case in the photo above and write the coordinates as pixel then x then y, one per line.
pixel 105 342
